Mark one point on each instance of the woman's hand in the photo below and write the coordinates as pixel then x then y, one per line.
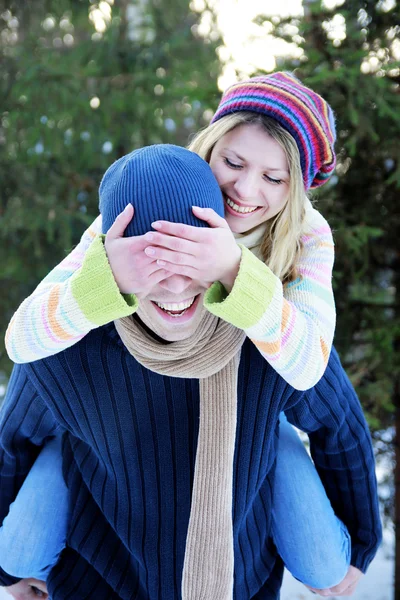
pixel 203 254
pixel 133 270
pixel 346 587
pixel 28 589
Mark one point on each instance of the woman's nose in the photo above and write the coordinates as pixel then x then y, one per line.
pixel 247 186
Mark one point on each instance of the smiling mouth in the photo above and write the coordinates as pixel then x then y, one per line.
pixel 176 309
pixel 234 208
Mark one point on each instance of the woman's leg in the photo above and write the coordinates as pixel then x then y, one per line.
pixel 313 543
pixel 34 532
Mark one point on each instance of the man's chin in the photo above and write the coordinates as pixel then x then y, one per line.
pixel 172 327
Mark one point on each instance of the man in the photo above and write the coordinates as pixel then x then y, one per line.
pixel 169 423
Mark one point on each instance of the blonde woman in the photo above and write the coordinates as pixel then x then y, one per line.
pixel 268 265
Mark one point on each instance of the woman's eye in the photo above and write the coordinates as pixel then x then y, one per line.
pixel 231 164
pixel 272 180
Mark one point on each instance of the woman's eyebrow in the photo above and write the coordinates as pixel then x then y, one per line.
pixel 234 152
pixel 276 169
pixel 244 160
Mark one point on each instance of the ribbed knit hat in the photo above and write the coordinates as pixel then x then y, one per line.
pixel 162 182
pixel 302 112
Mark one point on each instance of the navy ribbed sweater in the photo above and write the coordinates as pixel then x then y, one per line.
pixel 129 451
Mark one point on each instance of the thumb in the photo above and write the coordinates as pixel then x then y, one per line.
pixel 210 216
pixel 121 223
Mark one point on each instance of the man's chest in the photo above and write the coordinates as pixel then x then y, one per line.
pixel 106 399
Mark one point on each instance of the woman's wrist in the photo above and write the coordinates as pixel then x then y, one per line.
pixel 229 278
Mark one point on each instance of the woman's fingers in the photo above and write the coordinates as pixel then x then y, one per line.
pixel 170 242
pixel 26 589
pixel 210 216
pixel 173 269
pixel 188 232
pixel 345 588
pixel 169 256
pixel 179 230
pixel 159 275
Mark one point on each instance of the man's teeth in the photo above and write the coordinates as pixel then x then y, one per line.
pixel 173 307
pixel 240 209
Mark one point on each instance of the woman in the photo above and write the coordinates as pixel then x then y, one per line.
pixel 270 141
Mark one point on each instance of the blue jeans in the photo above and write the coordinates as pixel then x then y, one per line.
pixel 313 543
pixel 34 532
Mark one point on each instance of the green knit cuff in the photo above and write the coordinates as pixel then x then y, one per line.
pixel 95 289
pixel 250 296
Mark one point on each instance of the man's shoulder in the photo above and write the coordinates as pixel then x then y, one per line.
pixel 262 375
pixel 335 381
pixel 74 374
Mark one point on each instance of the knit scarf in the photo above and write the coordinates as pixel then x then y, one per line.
pixel 252 239
pixel 211 355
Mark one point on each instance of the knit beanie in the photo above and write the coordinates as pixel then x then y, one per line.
pixel 302 112
pixel 162 182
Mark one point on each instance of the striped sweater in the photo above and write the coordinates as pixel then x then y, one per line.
pixel 292 325
pixel 129 448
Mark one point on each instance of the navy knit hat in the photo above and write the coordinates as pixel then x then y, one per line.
pixel 162 182
pixel 302 112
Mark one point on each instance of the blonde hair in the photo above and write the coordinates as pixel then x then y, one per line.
pixel 281 245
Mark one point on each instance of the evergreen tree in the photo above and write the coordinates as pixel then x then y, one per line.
pixel 351 56
pixel 82 83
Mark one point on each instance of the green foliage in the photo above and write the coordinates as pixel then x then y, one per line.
pixel 355 66
pixel 154 78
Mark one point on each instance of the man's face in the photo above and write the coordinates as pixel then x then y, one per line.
pixel 173 308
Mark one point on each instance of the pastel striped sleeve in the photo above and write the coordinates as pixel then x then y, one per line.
pixel 78 295
pixel 292 325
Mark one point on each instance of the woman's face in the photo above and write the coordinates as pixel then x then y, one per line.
pixel 253 174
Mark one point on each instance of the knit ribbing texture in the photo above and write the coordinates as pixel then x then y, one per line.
pixel 209 559
pixel 162 182
pixel 130 437
pixel 301 111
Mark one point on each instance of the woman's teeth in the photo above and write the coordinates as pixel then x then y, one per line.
pixel 240 209
pixel 176 309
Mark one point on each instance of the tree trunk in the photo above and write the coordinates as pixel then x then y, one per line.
pixel 306 7
pixel 396 401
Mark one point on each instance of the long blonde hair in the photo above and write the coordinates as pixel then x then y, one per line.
pixel 281 245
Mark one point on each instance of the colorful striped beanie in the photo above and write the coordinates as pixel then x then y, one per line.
pixel 302 112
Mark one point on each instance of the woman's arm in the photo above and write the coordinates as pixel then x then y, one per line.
pixel 78 295
pixel 292 325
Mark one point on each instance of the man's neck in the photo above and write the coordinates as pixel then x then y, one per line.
pixel 149 331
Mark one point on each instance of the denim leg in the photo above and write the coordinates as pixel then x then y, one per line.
pixel 34 532
pixel 313 543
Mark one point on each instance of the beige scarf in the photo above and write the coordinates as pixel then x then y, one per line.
pixel 211 355
pixel 252 239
